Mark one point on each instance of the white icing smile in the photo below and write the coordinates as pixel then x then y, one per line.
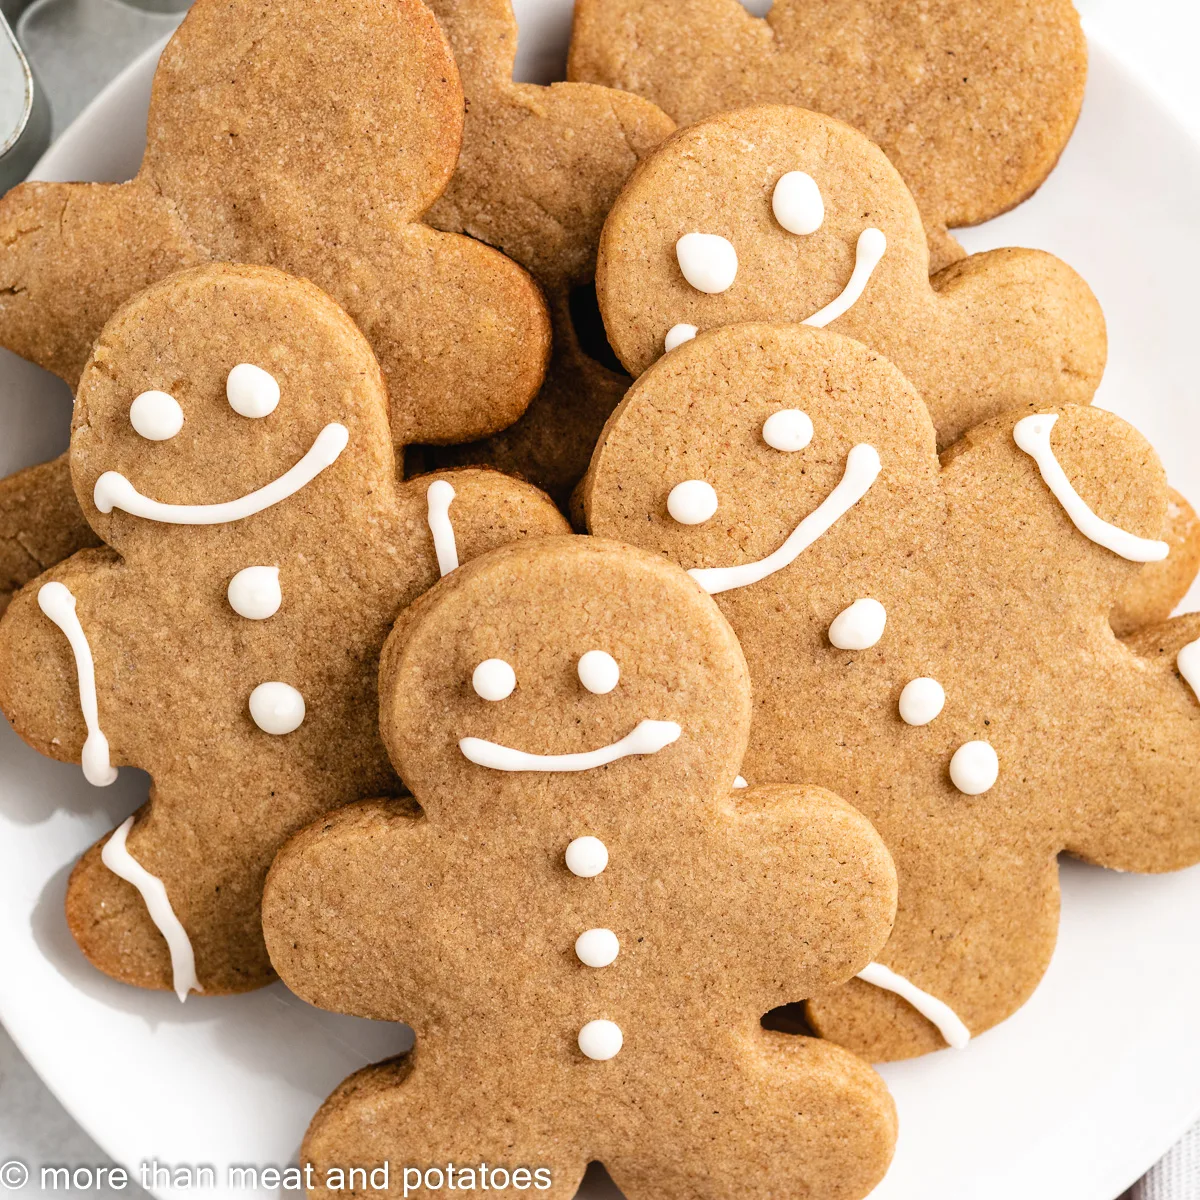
pixel 648 737
pixel 862 469
pixel 868 252
pixel 113 490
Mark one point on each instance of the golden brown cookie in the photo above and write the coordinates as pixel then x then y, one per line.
pixel 973 103
pixel 1151 596
pixel 583 923
pixel 309 137
pixel 539 170
pixel 778 214
pixel 231 448
pixel 931 641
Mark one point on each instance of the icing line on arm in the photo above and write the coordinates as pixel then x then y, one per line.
pixel 647 737
pixel 948 1023
pixel 440 497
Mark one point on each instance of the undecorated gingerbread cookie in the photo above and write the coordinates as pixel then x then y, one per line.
pixel 231 448
pixel 931 641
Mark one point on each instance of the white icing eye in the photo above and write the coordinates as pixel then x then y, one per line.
pixel 586 856
pixel 708 261
pixel 797 203
pixel 156 416
pixel 788 430
pixel 601 1040
pixel 921 701
pixel 677 335
pixel 974 768
pixel 692 502
pixel 597 947
pixel 739 782
pixel 251 391
pixel 598 672
pixel 858 627
pixel 493 679
pixel 254 593
pixel 276 707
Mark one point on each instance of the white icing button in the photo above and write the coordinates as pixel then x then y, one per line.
pixel 739 782
pixel 860 626
pixel 797 203
pixel 598 672
pixel 677 335
pixel 601 1040
pixel 156 416
pixel 1187 662
pixel 597 947
pixel 254 593
pixel 276 707
pixel 692 502
pixel 974 768
pixel 586 857
pixel 708 261
pixel 921 701
pixel 788 430
pixel 493 679
pixel 251 391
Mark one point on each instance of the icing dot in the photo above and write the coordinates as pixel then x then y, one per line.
pixel 586 857
pixel 797 203
pixel 598 672
pixel 254 593
pixel 921 701
pixel 974 768
pixel 493 679
pixel 601 1040
pixel 1187 662
pixel 276 707
pixel 708 261
pixel 739 782
pixel 597 947
pixel 858 627
pixel 251 391
pixel 156 416
pixel 788 430
pixel 677 335
pixel 692 502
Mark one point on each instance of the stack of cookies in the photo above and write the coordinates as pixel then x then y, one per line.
pixel 657 832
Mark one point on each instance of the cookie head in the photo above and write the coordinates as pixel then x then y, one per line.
pixel 586 670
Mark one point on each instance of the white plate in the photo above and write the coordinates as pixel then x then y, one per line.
pixel 1071 1099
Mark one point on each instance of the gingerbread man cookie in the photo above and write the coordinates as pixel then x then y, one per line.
pixel 312 138
pixel 930 641
pixel 973 103
pixel 582 922
pixel 778 214
pixel 231 448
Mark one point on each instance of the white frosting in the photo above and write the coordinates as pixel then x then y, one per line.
pixel 677 335
pixel 440 496
pixel 113 490
pixel 739 782
pixel 156 416
pixel 948 1023
pixel 1032 434
pixel 251 391
pixel 797 204
pixel 692 502
pixel 254 593
pixel 921 701
pixel 789 430
pixel 493 679
pixel 597 947
pixel 57 602
pixel 601 1040
pixel 277 707
pixel 974 768
pixel 598 672
pixel 586 856
pixel 867 254
pixel 648 737
pixel 116 857
pixel 1188 662
pixel 860 626
pixel 708 261
pixel 862 469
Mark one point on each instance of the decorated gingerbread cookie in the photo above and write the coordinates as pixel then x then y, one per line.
pixel 309 137
pixel 539 170
pixel 231 450
pixel 779 214
pixel 973 103
pixel 581 920
pixel 931 641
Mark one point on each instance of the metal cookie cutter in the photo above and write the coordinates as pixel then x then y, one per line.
pixel 24 113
